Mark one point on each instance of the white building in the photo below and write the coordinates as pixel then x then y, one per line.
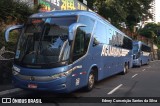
pixel 155 11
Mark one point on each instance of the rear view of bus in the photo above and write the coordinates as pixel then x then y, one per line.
pixel 141 53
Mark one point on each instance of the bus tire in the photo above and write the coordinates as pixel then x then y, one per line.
pixel 91 81
pixel 147 62
pixel 125 69
pixel 140 64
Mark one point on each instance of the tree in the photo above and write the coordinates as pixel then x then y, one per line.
pixel 137 10
pixel 152 31
pixel 128 11
pixel 13 11
pixel 155 28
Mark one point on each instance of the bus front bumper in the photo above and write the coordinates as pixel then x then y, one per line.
pixel 60 85
pixel 136 62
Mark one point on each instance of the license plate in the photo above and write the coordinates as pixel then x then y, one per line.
pixel 32 86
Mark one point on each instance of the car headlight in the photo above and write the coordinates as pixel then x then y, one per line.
pixel 63 74
pixel 15 70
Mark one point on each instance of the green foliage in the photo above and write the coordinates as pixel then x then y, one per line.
pixel 1 40
pixel 13 40
pixel 137 10
pixel 147 33
pixel 128 11
pixel 14 11
pixel 158 41
pixel 152 31
pixel 158 46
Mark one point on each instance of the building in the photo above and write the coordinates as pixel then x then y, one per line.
pixel 50 5
pixel 155 11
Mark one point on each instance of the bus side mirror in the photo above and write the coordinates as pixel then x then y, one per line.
pixel 9 29
pixel 73 30
pixel 95 42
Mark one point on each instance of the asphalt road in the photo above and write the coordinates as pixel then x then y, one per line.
pixel 138 82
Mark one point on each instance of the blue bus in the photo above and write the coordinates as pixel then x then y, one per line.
pixel 62 51
pixel 141 53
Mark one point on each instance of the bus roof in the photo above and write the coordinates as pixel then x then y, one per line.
pixel 66 13
pixel 74 12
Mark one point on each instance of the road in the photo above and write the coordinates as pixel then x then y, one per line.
pixel 138 82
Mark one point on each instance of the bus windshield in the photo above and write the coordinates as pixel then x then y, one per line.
pixel 44 40
pixel 135 48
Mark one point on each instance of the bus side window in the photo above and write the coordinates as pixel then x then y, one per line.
pixel 100 34
pixel 127 43
pixel 79 44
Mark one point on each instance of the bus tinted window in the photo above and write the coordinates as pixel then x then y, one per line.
pixel 127 43
pixel 145 48
pixel 100 33
pixel 79 48
pixel 116 39
pixel 82 37
pixel 89 22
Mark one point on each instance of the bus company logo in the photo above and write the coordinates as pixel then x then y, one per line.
pixel 108 50
pixel 6 100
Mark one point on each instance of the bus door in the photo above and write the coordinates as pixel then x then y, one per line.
pixel 80 58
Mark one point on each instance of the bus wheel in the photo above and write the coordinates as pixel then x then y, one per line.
pixel 147 62
pixel 91 82
pixel 141 63
pixel 125 69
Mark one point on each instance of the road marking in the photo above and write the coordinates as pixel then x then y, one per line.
pixel 111 92
pixel 155 61
pixel 134 75
pixel 10 91
pixel 143 69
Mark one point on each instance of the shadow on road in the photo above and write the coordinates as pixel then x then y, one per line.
pixel 5 72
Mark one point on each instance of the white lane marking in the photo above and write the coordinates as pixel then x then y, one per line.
pixel 143 69
pixel 111 92
pixel 134 75
pixel 10 91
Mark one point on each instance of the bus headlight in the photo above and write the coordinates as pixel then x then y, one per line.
pixel 15 70
pixel 63 74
